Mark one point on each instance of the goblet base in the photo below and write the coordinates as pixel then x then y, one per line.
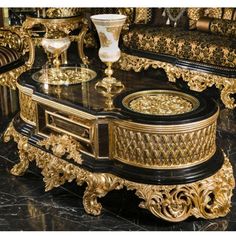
pixel 109 87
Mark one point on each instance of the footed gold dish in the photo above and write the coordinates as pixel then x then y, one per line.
pixel 160 102
pixel 64 75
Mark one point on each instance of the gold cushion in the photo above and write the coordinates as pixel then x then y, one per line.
pixel 225 27
pixel 189 45
pixel 217 26
pixel 8 55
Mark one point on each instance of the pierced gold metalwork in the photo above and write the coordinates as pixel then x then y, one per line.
pixel 160 102
pixel 197 81
pixel 208 198
pixel 64 75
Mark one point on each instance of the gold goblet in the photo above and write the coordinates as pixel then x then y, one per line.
pixel 56 46
pixel 109 27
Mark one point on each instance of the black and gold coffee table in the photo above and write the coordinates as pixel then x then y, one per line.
pixel 159 142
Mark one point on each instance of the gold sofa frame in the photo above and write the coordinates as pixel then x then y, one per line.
pixel 197 80
pixel 17 38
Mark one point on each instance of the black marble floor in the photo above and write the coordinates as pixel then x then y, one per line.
pixel 24 205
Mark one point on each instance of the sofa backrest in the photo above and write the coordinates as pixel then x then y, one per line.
pixel 213 20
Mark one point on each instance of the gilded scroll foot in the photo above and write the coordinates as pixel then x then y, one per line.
pixel 226 93
pixel 20 168
pixel 208 198
pixel 98 186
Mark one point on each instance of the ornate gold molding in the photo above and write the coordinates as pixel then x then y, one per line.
pixel 22 145
pixel 208 198
pixel 27 108
pixel 197 81
pixel 20 40
pixel 61 145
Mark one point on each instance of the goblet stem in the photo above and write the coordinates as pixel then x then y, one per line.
pixel 56 62
pixel 108 70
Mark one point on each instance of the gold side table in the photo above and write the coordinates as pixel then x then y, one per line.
pixel 66 25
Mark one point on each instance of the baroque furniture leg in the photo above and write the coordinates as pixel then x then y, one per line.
pixel 197 81
pixel 20 168
pixel 208 198
pixel 98 186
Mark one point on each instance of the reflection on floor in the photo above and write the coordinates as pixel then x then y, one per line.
pixel 25 206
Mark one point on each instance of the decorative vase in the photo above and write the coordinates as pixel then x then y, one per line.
pixel 109 27
pixel 56 46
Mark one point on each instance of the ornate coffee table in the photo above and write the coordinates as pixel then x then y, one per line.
pixel 159 142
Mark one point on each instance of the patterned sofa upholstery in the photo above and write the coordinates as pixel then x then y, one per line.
pixel 16 55
pixel 201 49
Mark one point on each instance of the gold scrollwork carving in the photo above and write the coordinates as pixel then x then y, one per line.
pixel 27 108
pixel 208 198
pixel 98 186
pixel 22 145
pixel 197 81
pixel 62 145
pixel 20 40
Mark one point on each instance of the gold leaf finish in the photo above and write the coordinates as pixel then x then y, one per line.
pixel 20 40
pixel 104 40
pixel 27 108
pixel 197 81
pixel 22 145
pixel 66 25
pixel 160 104
pixel 157 147
pixel 62 145
pixel 115 32
pixel 208 198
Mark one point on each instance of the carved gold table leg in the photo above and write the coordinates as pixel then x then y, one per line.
pixel 208 198
pixel 80 43
pixel 98 186
pixel 22 141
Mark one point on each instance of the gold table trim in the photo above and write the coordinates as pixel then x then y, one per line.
pixel 208 198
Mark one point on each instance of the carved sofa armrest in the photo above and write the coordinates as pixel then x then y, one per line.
pixel 17 54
